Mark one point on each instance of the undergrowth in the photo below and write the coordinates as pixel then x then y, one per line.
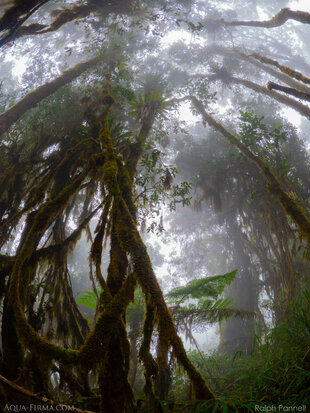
pixel 276 373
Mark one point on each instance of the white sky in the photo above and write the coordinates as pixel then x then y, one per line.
pixel 303 5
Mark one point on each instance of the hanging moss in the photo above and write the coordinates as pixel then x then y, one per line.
pixel 41 220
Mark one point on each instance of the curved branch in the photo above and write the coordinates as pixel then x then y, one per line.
pixel 278 20
pixel 29 101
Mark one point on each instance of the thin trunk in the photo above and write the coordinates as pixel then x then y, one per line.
pixel 133 337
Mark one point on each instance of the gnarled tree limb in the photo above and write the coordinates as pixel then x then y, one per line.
pixel 278 20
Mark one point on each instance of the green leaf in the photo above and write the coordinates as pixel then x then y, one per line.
pixel 203 287
pixel 89 299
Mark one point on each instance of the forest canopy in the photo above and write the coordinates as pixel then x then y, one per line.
pixel 154 193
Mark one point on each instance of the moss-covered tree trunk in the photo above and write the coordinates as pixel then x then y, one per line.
pixel 116 392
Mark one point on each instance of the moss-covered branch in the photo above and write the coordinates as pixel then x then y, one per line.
pixel 289 90
pixel 299 107
pixel 260 63
pixel 288 202
pixel 150 365
pixel 29 101
pixel 132 243
pixel 284 69
pixel 15 16
pixel 294 104
pixel 97 343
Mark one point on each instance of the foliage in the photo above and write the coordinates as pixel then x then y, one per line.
pixel 275 373
pixel 89 299
pixel 205 287
pixel 91 150
pixel 259 137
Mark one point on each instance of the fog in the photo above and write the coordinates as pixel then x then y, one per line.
pixel 154 204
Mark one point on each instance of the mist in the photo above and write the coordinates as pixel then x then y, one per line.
pixel 154 205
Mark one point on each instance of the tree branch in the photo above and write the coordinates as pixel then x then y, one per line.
pixel 278 20
pixel 304 110
pixel 29 101
pixel 262 63
pixel 297 93
pixel 284 69
pixel 12 20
